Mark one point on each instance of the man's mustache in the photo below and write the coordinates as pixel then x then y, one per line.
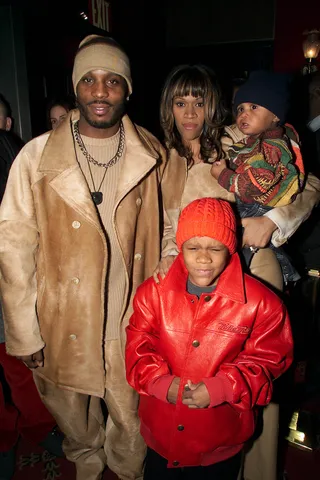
pixel 103 102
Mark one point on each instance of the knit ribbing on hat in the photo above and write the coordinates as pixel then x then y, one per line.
pixel 208 217
pixel 100 56
pixel 267 89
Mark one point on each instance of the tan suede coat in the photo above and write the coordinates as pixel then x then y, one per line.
pixel 53 252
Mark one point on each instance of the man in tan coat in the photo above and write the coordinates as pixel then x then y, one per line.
pixel 80 230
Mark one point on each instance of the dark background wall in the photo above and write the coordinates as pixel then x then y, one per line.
pixel 13 69
pixel 204 22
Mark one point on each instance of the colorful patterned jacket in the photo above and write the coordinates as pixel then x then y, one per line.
pixel 266 170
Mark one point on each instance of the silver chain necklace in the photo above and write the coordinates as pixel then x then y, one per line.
pixel 96 195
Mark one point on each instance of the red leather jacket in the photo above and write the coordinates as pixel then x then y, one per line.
pixel 243 337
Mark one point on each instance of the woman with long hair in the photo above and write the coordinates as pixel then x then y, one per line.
pixel 192 117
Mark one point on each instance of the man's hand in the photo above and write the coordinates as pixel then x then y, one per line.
pixel 173 390
pixel 257 231
pixel 33 361
pixel 217 168
pixel 196 395
pixel 163 267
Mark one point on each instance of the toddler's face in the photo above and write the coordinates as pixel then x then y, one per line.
pixel 205 259
pixel 252 119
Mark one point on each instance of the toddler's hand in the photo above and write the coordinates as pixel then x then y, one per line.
pixel 217 168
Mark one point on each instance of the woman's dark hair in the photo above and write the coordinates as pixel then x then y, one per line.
pixel 198 81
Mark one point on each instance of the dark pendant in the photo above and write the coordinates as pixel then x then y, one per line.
pixel 97 197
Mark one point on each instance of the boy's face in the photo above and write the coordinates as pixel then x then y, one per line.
pixel 252 119
pixel 205 259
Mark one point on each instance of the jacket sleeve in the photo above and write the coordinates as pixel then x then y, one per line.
pixel 168 244
pixel 289 218
pixel 144 365
pixel 171 188
pixel 261 173
pixel 267 354
pixel 18 248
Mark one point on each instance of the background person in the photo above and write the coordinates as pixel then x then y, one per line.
pixel 5 114
pixel 24 414
pixel 57 111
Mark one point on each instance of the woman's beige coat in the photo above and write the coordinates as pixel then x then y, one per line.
pixel 287 218
pixel 54 256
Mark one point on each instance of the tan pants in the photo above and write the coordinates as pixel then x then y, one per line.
pixel 260 462
pixel 89 443
pixel 265 267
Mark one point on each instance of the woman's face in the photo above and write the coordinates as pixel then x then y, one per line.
pixel 188 114
pixel 57 114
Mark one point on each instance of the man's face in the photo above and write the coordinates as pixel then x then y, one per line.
pixel 5 122
pixel 205 259
pixel 101 97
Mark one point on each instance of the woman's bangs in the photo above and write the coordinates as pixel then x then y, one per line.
pixel 190 83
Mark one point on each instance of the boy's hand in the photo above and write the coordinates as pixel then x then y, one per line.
pixel 196 396
pixel 173 390
pixel 163 267
pixel 217 168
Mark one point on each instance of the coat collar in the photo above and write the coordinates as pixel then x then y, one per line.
pixel 59 161
pixel 230 284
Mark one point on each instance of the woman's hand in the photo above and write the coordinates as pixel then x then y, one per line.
pixel 257 231
pixel 163 267
pixel 217 168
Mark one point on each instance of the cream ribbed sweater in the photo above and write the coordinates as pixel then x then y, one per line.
pixel 200 183
pixel 102 150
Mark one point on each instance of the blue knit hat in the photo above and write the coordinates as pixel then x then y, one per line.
pixel 267 89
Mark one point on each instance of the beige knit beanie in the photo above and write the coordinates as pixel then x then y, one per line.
pixel 100 55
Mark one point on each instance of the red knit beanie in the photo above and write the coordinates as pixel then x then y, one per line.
pixel 208 217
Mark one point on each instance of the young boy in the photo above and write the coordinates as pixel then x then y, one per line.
pixel 266 168
pixel 203 348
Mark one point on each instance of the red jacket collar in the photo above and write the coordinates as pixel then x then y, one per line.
pixel 230 283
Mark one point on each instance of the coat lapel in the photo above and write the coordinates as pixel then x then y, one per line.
pixel 140 158
pixel 230 283
pixel 60 163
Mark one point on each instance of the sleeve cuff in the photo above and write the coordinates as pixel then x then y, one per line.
pixel 226 178
pixel 159 387
pixel 279 236
pixel 314 124
pixel 219 389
